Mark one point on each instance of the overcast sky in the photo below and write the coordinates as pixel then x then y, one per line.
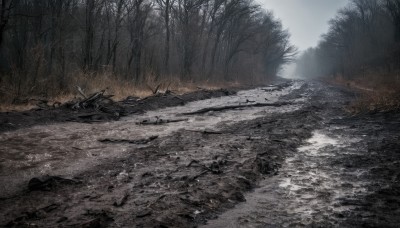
pixel 306 20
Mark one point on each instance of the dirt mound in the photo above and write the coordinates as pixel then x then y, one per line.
pixel 101 110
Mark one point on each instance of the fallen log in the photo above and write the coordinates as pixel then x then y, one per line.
pixel 96 100
pixel 231 107
pixel 137 141
pixel 90 101
pixel 160 121
pixel 207 132
pixel 48 183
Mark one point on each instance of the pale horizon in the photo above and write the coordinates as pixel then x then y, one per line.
pixel 306 20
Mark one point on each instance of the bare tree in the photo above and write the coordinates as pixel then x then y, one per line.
pixel 361 40
pixel 393 6
pixel 48 43
pixel 5 8
pixel 137 19
pixel 166 8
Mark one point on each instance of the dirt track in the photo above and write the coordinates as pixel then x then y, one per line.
pixel 305 162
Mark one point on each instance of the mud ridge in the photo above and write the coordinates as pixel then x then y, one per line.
pixel 131 105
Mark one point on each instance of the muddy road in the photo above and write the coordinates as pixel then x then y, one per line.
pixel 285 155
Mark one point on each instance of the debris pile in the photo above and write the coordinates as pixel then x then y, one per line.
pixel 95 107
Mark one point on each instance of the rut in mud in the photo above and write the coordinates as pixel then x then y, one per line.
pixel 308 161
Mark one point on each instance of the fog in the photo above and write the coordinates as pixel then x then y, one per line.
pixel 306 21
pixel 361 44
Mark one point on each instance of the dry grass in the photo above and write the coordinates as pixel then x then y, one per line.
pixel 376 101
pixel 376 94
pixel 91 83
pixel 15 107
pixel 122 89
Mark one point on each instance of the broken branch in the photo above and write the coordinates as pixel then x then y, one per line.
pixel 223 108
pixel 160 121
pixel 138 141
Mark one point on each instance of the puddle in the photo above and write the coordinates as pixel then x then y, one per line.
pixel 317 142
pixel 69 148
pixel 307 191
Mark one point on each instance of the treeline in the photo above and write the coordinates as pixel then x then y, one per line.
pixel 49 42
pixel 363 41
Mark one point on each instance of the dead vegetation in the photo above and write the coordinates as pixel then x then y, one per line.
pixel 101 106
pixel 376 101
pixel 374 94
pixel 12 99
pixel 102 45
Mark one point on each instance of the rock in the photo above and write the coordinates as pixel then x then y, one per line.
pixel 48 183
pixel 264 166
pixel 121 201
pixel 143 213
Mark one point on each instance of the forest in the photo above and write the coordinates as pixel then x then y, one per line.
pixel 362 44
pixel 49 47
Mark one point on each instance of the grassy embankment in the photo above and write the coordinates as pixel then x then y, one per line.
pixel 376 94
pixel 17 98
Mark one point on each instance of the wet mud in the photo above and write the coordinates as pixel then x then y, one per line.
pixel 298 160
